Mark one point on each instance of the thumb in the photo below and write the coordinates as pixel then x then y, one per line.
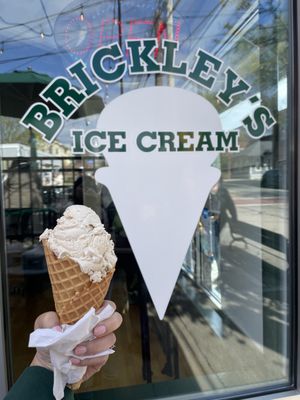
pixel 47 320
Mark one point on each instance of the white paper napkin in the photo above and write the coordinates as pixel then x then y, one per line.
pixel 62 344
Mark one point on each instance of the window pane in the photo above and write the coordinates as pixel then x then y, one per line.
pixel 227 327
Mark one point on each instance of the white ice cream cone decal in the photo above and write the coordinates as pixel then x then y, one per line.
pixel 159 185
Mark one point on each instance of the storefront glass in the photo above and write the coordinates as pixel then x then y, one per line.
pixel 227 329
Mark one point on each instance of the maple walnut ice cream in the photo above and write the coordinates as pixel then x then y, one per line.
pixel 80 235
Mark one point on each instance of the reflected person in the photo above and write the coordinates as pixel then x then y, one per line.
pixel 22 193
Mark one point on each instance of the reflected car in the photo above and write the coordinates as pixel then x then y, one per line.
pixel 272 179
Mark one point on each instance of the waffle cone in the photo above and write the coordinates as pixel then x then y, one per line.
pixel 73 292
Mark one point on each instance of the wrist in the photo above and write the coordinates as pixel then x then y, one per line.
pixel 39 361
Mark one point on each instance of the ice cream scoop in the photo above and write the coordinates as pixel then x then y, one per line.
pixel 80 236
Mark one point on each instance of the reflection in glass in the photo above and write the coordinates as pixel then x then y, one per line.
pixel 227 328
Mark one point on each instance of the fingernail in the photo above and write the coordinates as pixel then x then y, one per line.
pixel 57 328
pixel 100 330
pixel 75 361
pixel 80 350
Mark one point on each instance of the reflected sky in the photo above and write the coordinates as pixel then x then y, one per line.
pixel 72 30
pixel 67 36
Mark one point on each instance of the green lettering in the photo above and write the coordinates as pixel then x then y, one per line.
pixel 46 122
pixel 166 138
pixel 79 70
pixel 63 95
pixel 77 141
pixel 201 72
pixel 171 47
pixel 141 145
pixel 183 140
pixel 262 119
pixel 114 53
pixel 234 85
pixel 204 140
pixel 93 136
pixel 228 142
pixel 115 140
pixel 140 52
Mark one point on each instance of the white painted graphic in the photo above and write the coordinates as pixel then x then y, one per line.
pixel 160 191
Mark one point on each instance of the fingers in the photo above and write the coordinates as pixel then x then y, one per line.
pixel 109 325
pixel 104 339
pixel 47 320
pixel 95 346
pixel 92 369
pixel 96 362
pixel 104 333
pixel 105 303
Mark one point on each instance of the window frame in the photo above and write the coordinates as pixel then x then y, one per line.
pixel 294 224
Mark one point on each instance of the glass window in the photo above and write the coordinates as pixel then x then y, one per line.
pixel 227 329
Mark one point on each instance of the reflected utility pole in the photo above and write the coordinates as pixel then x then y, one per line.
pixel 158 29
pixel 120 38
pixel 159 26
pixel 169 23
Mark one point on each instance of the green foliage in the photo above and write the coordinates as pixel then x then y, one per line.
pixel 12 132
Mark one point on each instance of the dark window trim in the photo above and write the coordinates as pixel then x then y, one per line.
pixel 294 203
pixel 294 194
pixel 5 334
